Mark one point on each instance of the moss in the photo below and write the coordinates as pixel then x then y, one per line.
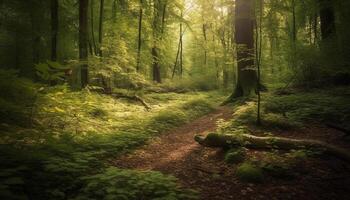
pixel 234 156
pixel 167 119
pixel 248 172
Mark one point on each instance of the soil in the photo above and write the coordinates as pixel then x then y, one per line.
pixel 203 169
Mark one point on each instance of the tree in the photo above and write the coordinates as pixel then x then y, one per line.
pixel 244 35
pixel 100 31
pixel 139 43
pixel 158 9
pixel 92 26
pixel 54 29
pixel 83 41
pixel 327 19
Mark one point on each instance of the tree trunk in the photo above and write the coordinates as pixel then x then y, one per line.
pixel 244 35
pixel 327 19
pixel 157 31
pixel 258 56
pixel 83 41
pixel 92 26
pixel 255 142
pixel 54 29
pixel 205 43
pixel 181 47
pixel 139 38
pixel 100 31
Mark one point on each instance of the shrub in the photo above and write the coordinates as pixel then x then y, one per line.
pixel 247 172
pixel 116 183
pixel 17 98
pixel 234 156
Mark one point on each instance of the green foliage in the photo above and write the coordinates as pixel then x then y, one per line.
pixel 115 183
pixel 51 71
pixel 17 98
pixel 234 156
pixel 74 134
pixel 285 165
pixel 319 106
pixel 198 107
pixel 248 172
pixel 166 120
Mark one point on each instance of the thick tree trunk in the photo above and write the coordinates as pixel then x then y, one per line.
pixel 156 68
pixel 54 29
pixel 83 41
pixel 327 19
pixel 244 25
pixel 255 142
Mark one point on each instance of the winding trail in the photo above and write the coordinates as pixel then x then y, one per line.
pixel 203 169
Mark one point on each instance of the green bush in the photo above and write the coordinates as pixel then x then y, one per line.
pixel 17 98
pixel 319 106
pixel 116 183
pixel 248 172
pixel 234 156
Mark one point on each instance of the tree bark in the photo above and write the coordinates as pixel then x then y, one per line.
pixel 54 29
pixel 255 142
pixel 327 19
pixel 244 35
pixel 92 26
pixel 83 41
pixel 100 32
pixel 181 47
pixel 157 31
pixel 139 37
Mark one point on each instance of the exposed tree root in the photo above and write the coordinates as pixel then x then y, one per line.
pixel 255 142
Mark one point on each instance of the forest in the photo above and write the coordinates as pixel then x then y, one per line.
pixel 174 99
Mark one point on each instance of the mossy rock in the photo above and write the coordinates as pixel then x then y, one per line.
pixel 250 173
pixel 235 156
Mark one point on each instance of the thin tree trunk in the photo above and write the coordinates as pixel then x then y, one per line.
pixel 139 38
pixel 100 32
pixel 181 48
pixel 205 43
pixel 92 26
pixel 258 57
pixel 315 28
pixel 163 17
pixel 54 29
pixel 83 41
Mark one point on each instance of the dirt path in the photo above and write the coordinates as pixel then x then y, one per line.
pixel 203 169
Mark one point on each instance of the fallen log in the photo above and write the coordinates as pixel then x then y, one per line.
pixel 255 142
pixel 336 127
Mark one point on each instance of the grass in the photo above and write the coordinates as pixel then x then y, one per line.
pixel 63 155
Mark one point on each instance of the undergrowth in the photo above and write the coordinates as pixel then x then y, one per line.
pixel 63 154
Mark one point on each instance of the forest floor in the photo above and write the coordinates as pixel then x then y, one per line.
pixel 203 169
